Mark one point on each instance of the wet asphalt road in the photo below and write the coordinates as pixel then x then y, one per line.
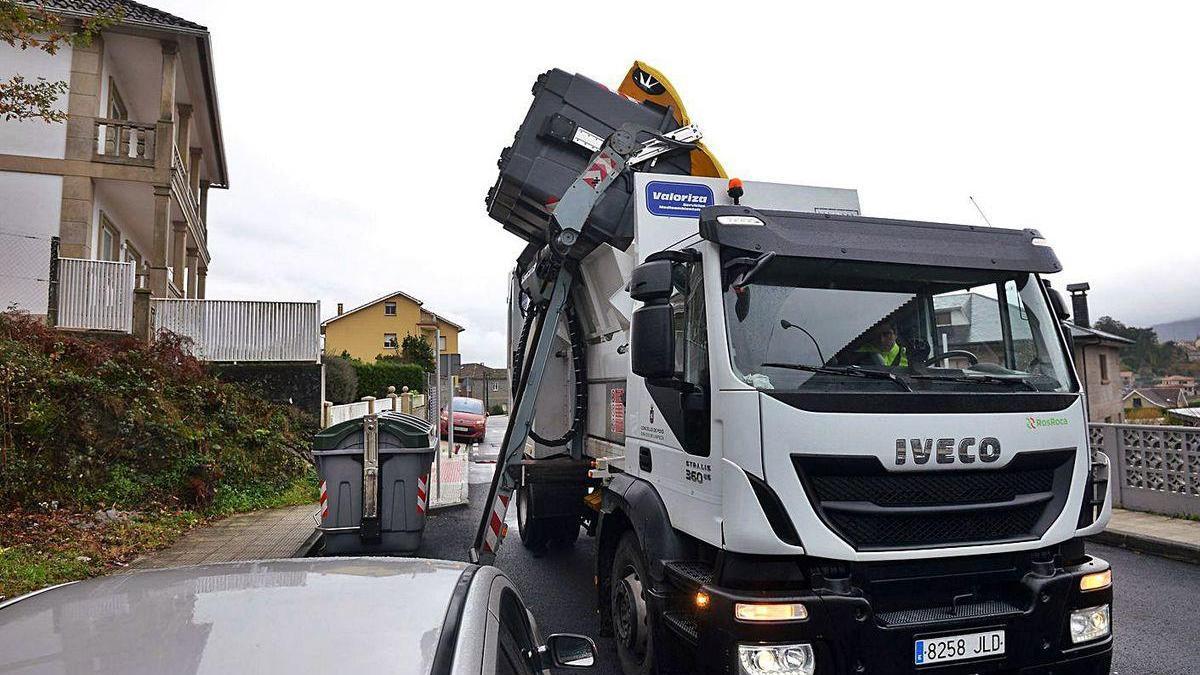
pixel 1157 604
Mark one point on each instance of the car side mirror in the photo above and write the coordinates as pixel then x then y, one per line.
pixel 567 650
pixel 652 342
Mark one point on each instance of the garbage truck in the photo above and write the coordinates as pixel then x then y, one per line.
pixel 804 440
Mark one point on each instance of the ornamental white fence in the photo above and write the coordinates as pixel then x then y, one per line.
pixel 95 294
pixel 244 330
pixel 1154 468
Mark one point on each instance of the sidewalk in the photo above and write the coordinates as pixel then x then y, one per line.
pixel 1176 538
pixel 258 535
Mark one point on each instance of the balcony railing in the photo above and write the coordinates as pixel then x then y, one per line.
pixel 181 186
pixel 124 142
pixel 244 330
pixel 95 294
pixel 1153 468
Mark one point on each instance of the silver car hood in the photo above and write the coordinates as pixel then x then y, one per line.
pixel 317 615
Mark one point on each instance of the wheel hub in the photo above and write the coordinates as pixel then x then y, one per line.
pixel 629 613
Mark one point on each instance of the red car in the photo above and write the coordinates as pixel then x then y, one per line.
pixel 470 420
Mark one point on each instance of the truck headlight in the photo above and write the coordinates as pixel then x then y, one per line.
pixel 1090 624
pixel 781 659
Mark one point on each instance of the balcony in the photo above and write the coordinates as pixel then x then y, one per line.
pixel 124 142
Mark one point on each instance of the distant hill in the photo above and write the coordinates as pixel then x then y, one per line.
pixel 1184 330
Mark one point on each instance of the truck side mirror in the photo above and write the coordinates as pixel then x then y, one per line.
pixel 652 342
pixel 652 281
pixel 1058 304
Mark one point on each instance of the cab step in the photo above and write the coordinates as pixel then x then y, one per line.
pixel 688 575
pixel 684 625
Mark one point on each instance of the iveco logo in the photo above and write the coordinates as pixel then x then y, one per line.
pixel 947 450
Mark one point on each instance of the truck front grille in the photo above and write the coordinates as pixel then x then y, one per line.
pixel 874 509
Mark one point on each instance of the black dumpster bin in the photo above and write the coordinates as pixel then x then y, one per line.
pixel 375 473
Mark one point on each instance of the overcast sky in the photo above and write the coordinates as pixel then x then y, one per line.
pixel 363 138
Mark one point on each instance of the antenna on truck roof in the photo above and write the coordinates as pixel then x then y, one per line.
pixel 981 213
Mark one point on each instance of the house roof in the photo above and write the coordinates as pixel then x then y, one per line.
pixel 983 318
pixel 477 370
pixel 1193 413
pixel 389 296
pixel 135 12
pixel 1160 397
pixel 1093 335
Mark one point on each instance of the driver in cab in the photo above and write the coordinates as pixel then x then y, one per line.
pixel 880 347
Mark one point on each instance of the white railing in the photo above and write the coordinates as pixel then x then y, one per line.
pixel 244 330
pixel 336 414
pixel 95 294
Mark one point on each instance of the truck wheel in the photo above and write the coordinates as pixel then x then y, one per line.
pixel 534 531
pixel 566 531
pixel 630 611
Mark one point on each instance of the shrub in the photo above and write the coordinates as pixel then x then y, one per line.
pixel 497 409
pixel 92 422
pixel 375 378
pixel 416 349
pixel 341 379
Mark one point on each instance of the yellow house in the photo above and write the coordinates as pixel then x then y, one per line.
pixel 378 328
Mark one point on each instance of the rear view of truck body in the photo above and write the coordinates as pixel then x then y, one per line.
pixel 805 441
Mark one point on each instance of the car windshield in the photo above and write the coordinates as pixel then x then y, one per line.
pixel 825 325
pixel 468 405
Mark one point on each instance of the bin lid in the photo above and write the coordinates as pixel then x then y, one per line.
pixel 412 431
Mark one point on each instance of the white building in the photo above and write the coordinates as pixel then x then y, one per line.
pixel 126 178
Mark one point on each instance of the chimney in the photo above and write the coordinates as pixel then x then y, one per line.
pixel 1079 306
pixel 339 309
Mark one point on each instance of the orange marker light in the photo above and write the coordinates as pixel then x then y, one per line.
pixel 735 190
pixel 1095 581
pixel 702 600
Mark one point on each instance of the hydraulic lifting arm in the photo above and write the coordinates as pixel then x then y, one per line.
pixel 550 283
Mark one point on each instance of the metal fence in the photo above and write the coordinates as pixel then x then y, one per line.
pixel 1155 468
pixel 24 271
pixel 244 330
pixel 95 294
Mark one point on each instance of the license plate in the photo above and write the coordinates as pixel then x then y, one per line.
pixel 458 428
pixel 958 647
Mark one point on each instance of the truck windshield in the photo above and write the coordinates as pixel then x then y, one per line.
pixel 825 325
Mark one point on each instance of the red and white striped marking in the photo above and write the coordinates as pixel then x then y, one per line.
pixel 496 527
pixel 324 501
pixel 422 493
pixel 599 169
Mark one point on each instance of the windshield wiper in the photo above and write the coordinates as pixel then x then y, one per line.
pixel 977 379
pixel 846 371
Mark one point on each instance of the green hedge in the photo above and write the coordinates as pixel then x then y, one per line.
pixel 375 378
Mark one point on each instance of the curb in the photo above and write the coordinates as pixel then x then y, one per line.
pixel 1144 543
pixel 305 550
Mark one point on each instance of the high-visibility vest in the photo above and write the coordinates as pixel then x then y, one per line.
pixel 896 356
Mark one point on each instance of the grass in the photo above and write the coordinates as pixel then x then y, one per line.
pixel 54 546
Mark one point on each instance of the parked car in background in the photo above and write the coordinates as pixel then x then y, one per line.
pixel 307 615
pixel 470 420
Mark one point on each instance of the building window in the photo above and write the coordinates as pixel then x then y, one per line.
pixel 1137 402
pixel 389 308
pixel 389 341
pixel 116 106
pixel 110 241
pixel 441 343
pixel 1104 369
pixel 495 387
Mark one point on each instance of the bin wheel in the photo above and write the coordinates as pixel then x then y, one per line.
pixel 535 532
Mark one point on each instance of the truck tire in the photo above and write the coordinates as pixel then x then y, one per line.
pixel 630 608
pixel 535 532
pixel 565 531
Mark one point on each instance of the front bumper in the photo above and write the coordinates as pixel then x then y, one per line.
pixel 850 634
